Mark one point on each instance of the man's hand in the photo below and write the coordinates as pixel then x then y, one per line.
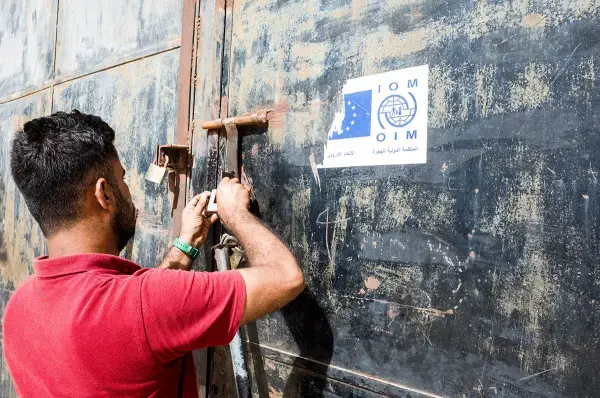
pixel 233 198
pixel 194 225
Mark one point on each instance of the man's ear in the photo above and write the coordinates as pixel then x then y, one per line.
pixel 103 194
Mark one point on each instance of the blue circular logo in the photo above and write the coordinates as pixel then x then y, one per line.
pixel 397 111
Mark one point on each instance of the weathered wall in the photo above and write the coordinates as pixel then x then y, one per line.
pixel 27 33
pixel 103 33
pixel 473 274
pixel 119 61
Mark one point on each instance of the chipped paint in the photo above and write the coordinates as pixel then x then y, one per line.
pixel 104 33
pixel 531 89
pixel 372 283
pixel 27 31
pixel 533 20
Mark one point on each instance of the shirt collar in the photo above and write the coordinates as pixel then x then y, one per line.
pixel 49 267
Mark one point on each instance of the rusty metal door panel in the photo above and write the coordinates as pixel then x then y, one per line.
pixel 473 274
pixel 94 35
pixel 139 101
pixel 207 96
pixel 21 240
pixel 27 31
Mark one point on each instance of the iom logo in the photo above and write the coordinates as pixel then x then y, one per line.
pixel 394 111
pixel 397 111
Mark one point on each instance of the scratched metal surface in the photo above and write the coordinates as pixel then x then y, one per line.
pixel 21 239
pixel 474 274
pixel 27 31
pixel 97 34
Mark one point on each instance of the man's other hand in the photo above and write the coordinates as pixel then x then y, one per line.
pixel 232 198
pixel 194 225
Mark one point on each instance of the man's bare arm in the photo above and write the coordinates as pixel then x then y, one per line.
pixel 176 259
pixel 194 230
pixel 274 277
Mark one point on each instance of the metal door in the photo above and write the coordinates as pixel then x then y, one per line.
pixel 474 274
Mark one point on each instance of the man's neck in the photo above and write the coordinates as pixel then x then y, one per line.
pixel 81 239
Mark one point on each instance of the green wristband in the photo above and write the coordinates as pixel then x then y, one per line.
pixel 187 249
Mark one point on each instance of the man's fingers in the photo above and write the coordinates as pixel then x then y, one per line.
pixel 201 203
pixel 213 218
pixel 194 201
pixel 235 181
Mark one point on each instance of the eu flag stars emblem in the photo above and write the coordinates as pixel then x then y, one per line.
pixel 357 116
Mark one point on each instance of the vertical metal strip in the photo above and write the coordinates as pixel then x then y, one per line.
pixel 185 92
pixel 232 148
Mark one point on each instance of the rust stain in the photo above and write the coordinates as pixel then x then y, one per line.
pixel 277 114
pixel 533 20
pixel 273 393
pixel 174 42
pixel 372 283
pixel 270 364
pixel 434 312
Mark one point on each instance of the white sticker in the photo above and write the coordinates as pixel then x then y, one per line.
pixel 384 121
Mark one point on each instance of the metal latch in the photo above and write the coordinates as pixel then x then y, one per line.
pixel 232 147
pixel 169 159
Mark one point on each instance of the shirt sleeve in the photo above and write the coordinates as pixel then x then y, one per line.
pixel 184 311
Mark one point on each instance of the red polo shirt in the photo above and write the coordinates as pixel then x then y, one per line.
pixel 99 325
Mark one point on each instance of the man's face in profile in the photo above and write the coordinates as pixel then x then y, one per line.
pixel 124 220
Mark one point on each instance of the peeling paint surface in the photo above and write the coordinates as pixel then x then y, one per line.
pixel 472 275
pixel 27 31
pixel 99 34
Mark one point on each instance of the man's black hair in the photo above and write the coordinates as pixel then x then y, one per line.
pixel 54 159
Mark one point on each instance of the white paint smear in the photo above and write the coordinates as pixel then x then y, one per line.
pixel 383 121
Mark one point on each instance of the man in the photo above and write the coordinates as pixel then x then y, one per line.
pixel 89 323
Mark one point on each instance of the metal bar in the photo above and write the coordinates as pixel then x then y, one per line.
pixel 188 26
pixel 260 117
pixel 240 370
pixel 184 94
pixel 232 148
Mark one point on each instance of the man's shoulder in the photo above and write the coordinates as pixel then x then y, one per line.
pixel 23 290
pixel 18 299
